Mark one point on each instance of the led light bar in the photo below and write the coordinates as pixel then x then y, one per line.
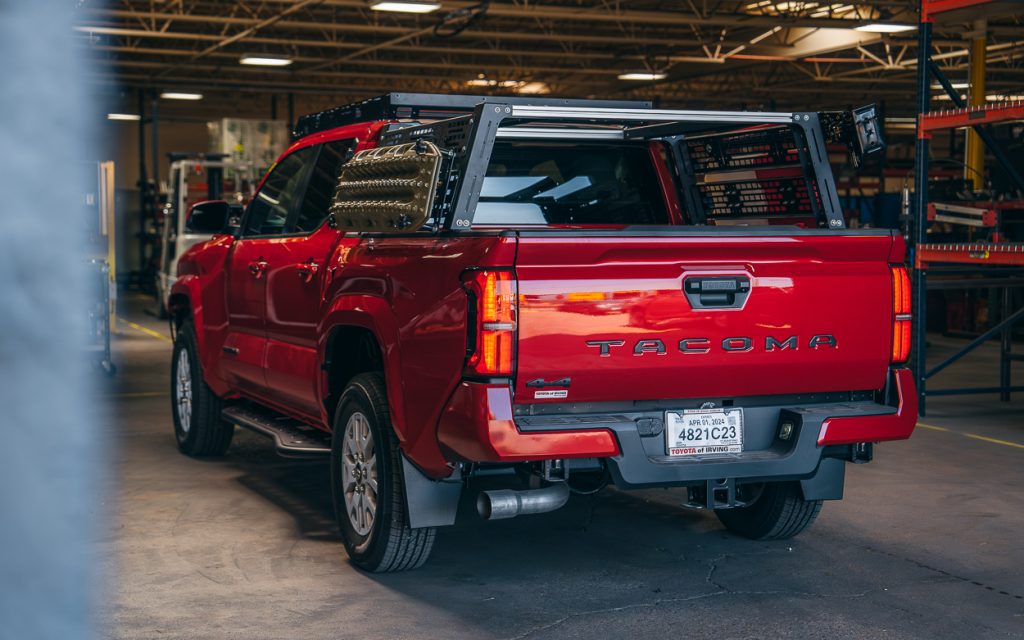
pixel 642 75
pixel 406 7
pixel 181 95
pixel 265 61
pixel 879 27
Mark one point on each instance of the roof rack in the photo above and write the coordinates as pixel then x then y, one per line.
pixel 432 106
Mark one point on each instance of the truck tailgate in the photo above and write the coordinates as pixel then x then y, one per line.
pixel 608 315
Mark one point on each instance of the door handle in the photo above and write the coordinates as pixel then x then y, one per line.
pixel 307 270
pixel 717 292
pixel 258 267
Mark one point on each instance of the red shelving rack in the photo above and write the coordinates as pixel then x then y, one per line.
pixel 992 265
pixel 970 116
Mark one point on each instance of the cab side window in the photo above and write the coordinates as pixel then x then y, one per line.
pixel 322 183
pixel 269 210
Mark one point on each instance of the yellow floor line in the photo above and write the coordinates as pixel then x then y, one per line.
pixel 932 427
pixel 995 440
pixel 1005 443
pixel 148 332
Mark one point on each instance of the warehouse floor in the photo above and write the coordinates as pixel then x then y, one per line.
pixel 926 544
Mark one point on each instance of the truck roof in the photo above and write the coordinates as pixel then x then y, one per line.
pixel 433 106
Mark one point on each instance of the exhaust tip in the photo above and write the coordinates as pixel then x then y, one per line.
pixel 506 503
pixel 483 505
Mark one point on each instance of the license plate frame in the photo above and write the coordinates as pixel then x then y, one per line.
pixel 708 424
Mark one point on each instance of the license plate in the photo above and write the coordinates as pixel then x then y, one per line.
pixel 701 432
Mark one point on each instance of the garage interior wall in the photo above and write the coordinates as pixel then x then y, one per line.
pixel 174 135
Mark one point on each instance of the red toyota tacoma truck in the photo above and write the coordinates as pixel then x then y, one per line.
pixel 564 294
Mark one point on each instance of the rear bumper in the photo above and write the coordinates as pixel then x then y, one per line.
pixel 479 425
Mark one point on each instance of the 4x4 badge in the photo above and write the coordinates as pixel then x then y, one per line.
pixel 540 383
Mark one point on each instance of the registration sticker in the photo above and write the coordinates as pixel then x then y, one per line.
pixel 699 432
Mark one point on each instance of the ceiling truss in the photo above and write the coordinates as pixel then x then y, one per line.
pixel 767 54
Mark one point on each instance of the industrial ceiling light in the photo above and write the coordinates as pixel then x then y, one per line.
pixel 406 7
pixel 181 95
pixel 879 27
pixel 532 88
pixel 519 86
pixel 482 81
pixel 643 75
pixel 262 60
pixel 955 85
pixel 123 116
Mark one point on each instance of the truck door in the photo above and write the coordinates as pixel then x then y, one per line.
pixel 251 256
pixel 296 280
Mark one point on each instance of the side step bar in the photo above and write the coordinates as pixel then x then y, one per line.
pixel 292 438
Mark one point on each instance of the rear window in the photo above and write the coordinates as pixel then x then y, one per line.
pixel 533 183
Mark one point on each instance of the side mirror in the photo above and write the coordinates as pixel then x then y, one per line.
pixel 210 216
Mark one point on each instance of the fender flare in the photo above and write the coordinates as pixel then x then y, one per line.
pixel 373 314
pixel 188 286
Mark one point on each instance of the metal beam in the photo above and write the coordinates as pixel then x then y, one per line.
pixel 241 35
pixel 557 14
pixel 590 38
pixel 320 63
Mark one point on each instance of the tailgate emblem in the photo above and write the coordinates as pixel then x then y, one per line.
pixel 736 344
pixel 540 383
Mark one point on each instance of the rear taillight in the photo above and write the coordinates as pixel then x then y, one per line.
pixel 492 331
pixel 900 315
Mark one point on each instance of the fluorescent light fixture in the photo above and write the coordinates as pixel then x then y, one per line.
pixel 504 84
pixel 265 61
pixel 519 86
pixel 181 95
pixel 879 27
pixel 642 75
pixel 406 7
pixel 956 85
pixel 130 117
pixel 532 88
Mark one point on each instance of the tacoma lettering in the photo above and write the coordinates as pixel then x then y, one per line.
pixel 734 344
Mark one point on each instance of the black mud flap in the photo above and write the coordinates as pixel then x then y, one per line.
pixel 430 503
pixel 827 483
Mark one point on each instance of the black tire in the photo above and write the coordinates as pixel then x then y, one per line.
pixel 202 432
pixel 388 543
pixel 780 512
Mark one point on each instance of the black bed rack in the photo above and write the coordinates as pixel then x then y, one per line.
pixel 432 106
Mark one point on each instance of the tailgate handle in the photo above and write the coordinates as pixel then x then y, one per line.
pixel 717 292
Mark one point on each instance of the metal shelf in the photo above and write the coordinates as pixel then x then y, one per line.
pixel 971 116
pixel 998 262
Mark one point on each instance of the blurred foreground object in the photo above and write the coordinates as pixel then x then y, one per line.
pixel 49 474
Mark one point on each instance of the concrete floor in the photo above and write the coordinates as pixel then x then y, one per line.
pixel 926 544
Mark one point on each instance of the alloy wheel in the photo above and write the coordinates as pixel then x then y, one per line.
pixel 359 473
